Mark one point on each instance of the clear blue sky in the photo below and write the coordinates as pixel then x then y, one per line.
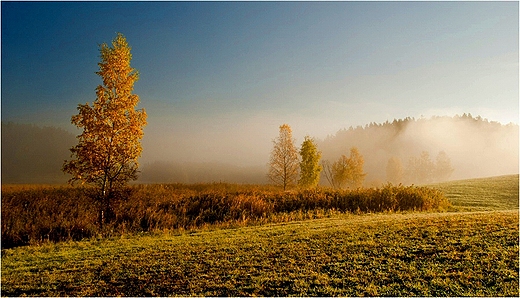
pixel 217 79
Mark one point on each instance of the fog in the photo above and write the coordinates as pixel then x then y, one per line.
pixel 475 146
pixel 477 149
pixel 237 150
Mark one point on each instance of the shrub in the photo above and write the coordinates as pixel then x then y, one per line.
pixel 66 213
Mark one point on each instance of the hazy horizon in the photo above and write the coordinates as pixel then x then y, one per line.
pixel 217 79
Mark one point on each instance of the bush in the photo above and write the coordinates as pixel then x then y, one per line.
pixel 66 213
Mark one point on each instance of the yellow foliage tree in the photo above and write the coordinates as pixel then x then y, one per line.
pixel 356 162
pixel 346 171
pixel 341 172
pixel 109 146
pixel 310 167
pixel 283 165
pixel 394 171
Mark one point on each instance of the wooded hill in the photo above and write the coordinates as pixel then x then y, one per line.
pixel 475 147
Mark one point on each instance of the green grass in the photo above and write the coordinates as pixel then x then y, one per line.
pixel 383 254
pixel 483 194
pixel 447 254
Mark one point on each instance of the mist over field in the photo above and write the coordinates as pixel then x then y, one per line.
pixel 217 79
pixel 476 147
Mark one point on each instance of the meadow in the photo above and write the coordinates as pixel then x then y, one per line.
pixel 482 194
pixel 35 214
pixel 471 250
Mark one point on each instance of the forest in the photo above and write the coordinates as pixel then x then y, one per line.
pixel 472 146
pixel 475 146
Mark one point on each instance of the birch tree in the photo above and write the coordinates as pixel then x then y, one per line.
pixel 283 164
pixel 346 171
pixel 109 145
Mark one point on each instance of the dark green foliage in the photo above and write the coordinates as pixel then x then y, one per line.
pixel 54 214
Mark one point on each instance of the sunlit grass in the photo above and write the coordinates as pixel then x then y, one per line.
pixel 424 254
pixel 391 253
pixel 495 193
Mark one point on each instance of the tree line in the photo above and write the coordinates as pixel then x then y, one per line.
pixel 476 147
pixel 289 167
pixel 419 169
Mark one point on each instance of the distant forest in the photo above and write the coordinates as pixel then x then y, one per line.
pixel 32 154
pixel 474 146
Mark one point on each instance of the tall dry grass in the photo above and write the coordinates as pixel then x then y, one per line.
pixel 32 215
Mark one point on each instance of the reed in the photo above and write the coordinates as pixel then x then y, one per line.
pixel 32 215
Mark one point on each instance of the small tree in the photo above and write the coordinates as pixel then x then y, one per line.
pixel 394 171
pixel 329 174
pixel 283 165
pixel 346 171
pixel 420 169
pixel 109 146
pixel 310 167
pixel 443 167
pixel 356 163
pixel 340 172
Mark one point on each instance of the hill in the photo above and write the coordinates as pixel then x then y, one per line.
pixel 483 194
pixel 475 146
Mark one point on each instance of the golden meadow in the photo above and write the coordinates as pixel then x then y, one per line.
pixel 35 214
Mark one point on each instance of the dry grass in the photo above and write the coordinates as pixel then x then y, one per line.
pixel 33 215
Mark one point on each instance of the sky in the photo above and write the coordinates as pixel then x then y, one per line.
pixel 217 79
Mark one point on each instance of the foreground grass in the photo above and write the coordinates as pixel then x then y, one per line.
pixel 424 254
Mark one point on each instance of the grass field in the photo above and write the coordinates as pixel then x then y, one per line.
pixel 472 251
pixel 483 194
